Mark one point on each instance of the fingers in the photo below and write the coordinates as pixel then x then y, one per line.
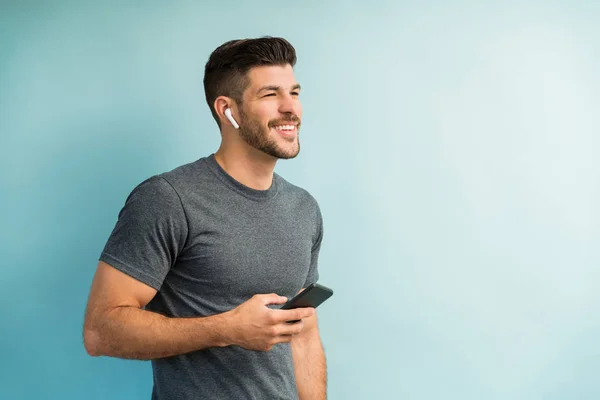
pixel 286 332
pixel 271 298
pixel 289 330
pixel 293 315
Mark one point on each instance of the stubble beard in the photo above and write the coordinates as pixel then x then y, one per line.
pixel 257 137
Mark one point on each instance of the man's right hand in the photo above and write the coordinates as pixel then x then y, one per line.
pixel 254 326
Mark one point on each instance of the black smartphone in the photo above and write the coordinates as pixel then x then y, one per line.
pixel 312 296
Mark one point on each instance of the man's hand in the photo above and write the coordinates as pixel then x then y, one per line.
pixel 254 326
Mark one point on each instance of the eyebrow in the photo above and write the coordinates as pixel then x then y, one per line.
pixel 276 88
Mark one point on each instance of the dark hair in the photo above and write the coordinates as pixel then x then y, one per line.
pixel 226 72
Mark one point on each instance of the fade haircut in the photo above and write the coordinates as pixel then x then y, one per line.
pixel 226 72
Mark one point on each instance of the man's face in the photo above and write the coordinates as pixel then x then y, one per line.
pixel 271 111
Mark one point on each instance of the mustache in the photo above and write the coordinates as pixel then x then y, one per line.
pixel 293 119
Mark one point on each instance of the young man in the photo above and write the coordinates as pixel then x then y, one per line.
pixel 201 256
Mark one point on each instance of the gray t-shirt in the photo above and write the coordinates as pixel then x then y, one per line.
pixel 207 243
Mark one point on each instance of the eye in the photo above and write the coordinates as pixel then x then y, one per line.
pixel 295 93
pixel 269 94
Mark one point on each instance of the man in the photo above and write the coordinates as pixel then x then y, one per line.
pixel 201 256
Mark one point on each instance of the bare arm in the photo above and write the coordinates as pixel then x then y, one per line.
pixel 309 362
pixel 116 324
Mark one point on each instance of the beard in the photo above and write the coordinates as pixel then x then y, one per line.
pixel 258 137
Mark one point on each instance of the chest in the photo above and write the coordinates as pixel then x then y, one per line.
pixel 237 250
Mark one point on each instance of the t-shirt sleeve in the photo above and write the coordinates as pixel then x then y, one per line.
pixel 149 234
pixel 313 271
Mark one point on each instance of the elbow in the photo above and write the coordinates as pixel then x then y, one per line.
pixel 91 342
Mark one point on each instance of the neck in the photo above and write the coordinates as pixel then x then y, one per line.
pixel 247 165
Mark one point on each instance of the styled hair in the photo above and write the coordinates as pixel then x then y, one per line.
pixel 226 72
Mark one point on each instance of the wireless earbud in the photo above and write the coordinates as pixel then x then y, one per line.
pixel 231 119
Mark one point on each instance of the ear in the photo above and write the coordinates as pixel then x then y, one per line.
pixel 221 104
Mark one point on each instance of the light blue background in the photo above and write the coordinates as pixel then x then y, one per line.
pixel 453 147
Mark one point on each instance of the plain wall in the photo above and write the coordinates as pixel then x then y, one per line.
pixel 453 148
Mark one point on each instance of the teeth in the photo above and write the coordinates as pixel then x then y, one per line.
pixel 285 127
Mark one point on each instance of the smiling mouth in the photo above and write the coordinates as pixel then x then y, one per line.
pixel 286 130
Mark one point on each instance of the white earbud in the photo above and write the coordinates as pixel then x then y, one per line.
pixel 231 119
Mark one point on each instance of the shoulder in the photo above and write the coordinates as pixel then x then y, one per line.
pixel 164 187
pixel 296 194
pixel 184 172
pixel 152 195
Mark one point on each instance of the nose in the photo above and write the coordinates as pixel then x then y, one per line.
pixel 290 105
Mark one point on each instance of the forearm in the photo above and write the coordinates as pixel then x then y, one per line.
pixel 310 367
pixel 134 333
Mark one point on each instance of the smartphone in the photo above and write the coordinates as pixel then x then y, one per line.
pixel 312 296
